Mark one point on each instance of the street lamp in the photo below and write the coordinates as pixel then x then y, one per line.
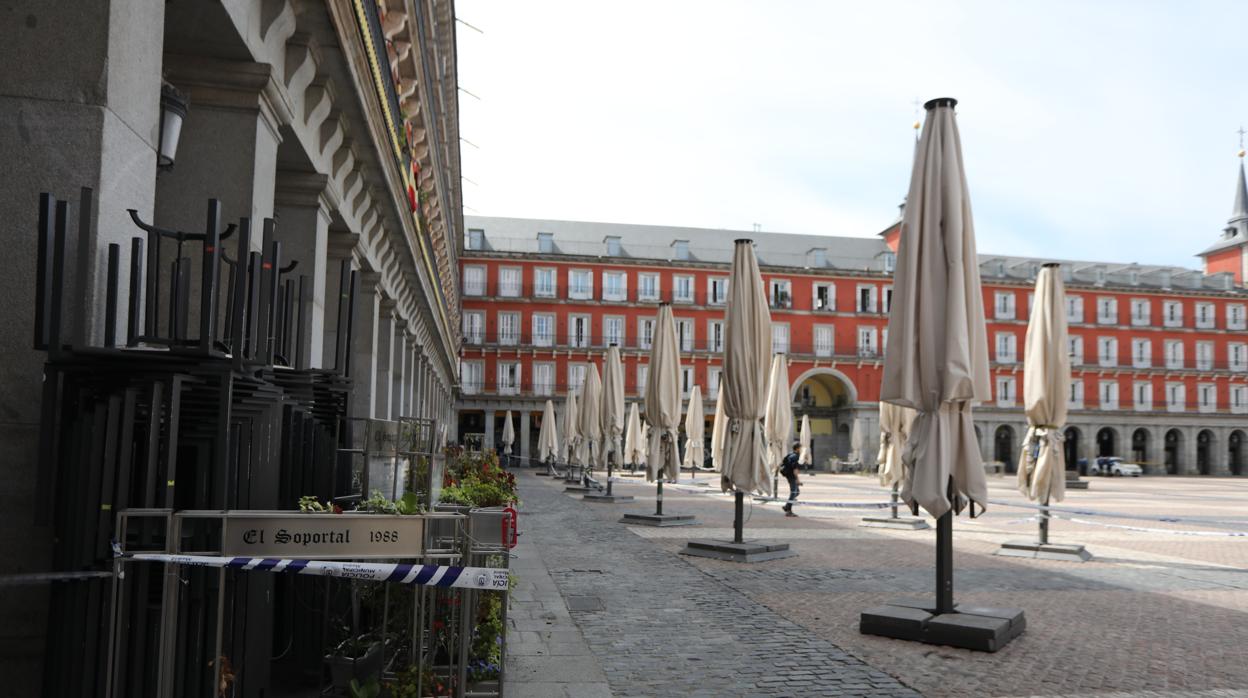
pixel 172 113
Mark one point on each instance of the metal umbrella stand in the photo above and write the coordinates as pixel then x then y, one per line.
pixel 936 362
pixel 894 427
pixel 612 423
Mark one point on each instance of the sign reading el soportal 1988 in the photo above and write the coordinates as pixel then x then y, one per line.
pixel 322 536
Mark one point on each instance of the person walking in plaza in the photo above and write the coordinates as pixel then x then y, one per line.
pixel 789 469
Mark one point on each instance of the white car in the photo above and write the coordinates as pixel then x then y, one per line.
pixel 1115 466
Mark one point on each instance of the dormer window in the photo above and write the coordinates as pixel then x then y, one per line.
pixel 1000 268
pixel 890 262
pixel 680 249
pixel 613 246
pixel 1135 278
pixel 1100 277
pixel 1165 279
pixel 546 243
pixel 817 258
pixel 476 239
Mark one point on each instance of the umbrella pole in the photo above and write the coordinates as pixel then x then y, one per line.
pixel 944 558
pixel 894 498
pixel 738 518
pixel 1044 523
pixel 610 462
pixel 658 498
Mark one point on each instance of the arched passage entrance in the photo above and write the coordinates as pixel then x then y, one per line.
pixel 1070 447
pixel 1174 447
pixel 1139 446
pixel 1106 442
pixel 1235 452
pixel 1204 451
pixel 1003 446
pixel 827 396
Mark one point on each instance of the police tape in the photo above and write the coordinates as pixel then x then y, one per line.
pixel 1144 529
pixel 490 578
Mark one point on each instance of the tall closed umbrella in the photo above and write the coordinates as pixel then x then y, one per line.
pixel 695 431
pixel 509 434
pixel 936 360
pixel 856 441
pixel 613 403
pixel 743 384
pixel 805 456
pixel 548 437
pixel 590 405
pixel 632 437
pixel 643 444
pixel 778 423
pixel 663 399
pixel 571 428
pixel 718 433
pixel 894 431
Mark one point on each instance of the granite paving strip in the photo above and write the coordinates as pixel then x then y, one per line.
pixel 667 628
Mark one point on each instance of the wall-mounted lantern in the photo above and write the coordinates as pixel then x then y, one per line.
pixel 172 114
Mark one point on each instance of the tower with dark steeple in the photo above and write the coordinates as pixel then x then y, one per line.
pixel 1230 252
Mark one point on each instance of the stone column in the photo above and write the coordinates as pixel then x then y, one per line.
pixel 385 358
pixel 409 382
pixel 363 354
pixel 80 104
pixel 341 247
pixel 398 408
pixel 488 442
pixel 524 436
pixel 1187 453
pixel 303 208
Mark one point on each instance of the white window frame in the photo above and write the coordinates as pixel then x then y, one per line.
pixel 1239 399
pixel 1206 315
pixel 715 336
pixel 1204 356
pixel 1176 396
pixel 544 290
pixel 618 294
pixel 1107 394
pixel 686 331
pixel 688 381
pixel 587 339
pixel 474 287
pixel 1237 356
pixel 544 339
pixel 1141 309
pixel 830 306
pixel 1074 309
pixel 870 348
pixel 780 293
pixel 713 298
pixel 576 375
pixel 645 337
pixel 1174 353
pixel 575 290
pixel 1003 305
pixel 1006 345
pixel 476 238
pixel 1106 310
pixel 1076 394
pixel 511 321
pixel 886 299
pixel 1171 313
pixel 1076 349
pixel 824 348
pixel 1206 397
pixel 543 385
pixel 873 299
pixel 781 339
pixel 714 377
pixel 474 335
pixel 1142 396
pixel 1235 319
pixel 685 294
pixel 643 374
pixel 510 282
pixel 472 377
pixel 644 295
pixel 1141 352
pixel 545 243
pixel 607 336
pixel 1107 351
pixel 1007 391
pixel 507 384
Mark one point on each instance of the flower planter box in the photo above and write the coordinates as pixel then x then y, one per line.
pixel 343 669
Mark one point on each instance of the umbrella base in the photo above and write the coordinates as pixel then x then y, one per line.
pixel 659 520
pixel 604 498
pixel 1076 484
pixel 542 474
pixel 969 627
pixel 904 523
pixel 749 551
pixel 1045 551
pixel 580 489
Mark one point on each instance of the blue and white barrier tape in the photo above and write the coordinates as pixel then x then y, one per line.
pixel 1170 531
pixel 490 578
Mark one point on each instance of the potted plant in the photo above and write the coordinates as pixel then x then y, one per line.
pixel 355 658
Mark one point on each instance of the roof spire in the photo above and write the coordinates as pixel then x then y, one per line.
pixel 1239 213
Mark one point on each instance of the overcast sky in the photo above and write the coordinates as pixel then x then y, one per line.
pixel 1099 131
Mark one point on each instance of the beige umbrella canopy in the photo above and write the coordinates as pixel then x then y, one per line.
pixel 509 433
pixel 936 360
pixel 778 423
pixel 894 430
pixel 571 425
pixel 632 437
pixel 1046 386
pixel 663 399
pixel 590 405
pixel 612 405
pixel 856 441
pixel 643 443
pixel 695 430
pixel 548 437
pixel 743 386
pixel 804 457
pixel 717 433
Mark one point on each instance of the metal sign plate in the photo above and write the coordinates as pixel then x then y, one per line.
pixel 322 536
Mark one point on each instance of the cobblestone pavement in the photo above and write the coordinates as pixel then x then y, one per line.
pixel 1155 613
pixel 659 626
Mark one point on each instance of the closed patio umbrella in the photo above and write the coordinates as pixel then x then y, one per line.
pixel 717 433
pixel 632 438
pixel 856 439
pixel 548 437
pixel 936 360
pixel 509 434
pixel 590 425
pixel 695 431
pixel 805 457
pixel 612 405
pixel 663 399
pixel 743 384
pixel 894 430
pixel 1046 387
pixel 571 426
pixel 778 424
